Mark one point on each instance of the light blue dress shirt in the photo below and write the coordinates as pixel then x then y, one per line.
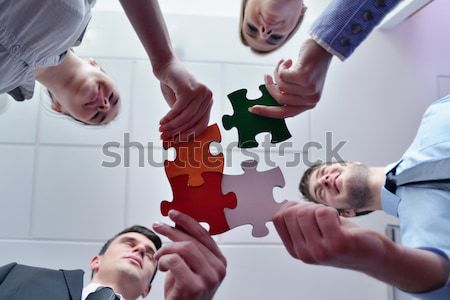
pixel 35 34
pixel 346 23
pixel 424 213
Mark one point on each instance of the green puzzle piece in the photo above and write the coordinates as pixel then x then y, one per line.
pixel 248 124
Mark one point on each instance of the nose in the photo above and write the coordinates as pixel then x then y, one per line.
pixel 324 180
pixel 104 105
pixel 139 248
pixel 265 30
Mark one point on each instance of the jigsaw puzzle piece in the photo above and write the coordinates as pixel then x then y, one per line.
pixel 204 203
pixel 254 192
pixel 194 158
pixel 248 124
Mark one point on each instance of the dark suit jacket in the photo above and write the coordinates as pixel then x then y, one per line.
pixel 20 282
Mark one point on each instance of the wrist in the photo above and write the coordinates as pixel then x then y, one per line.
pixel 161 65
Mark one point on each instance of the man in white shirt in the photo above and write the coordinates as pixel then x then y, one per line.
pixel 126 265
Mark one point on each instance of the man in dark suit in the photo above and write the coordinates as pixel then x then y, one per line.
pixel 126 265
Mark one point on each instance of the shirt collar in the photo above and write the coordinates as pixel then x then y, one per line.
pixel 92 287
pixel 389 201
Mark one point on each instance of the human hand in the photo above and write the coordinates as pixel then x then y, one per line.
pixel 298 87
pixel 194 264
pixel 190 103
pixel 316 234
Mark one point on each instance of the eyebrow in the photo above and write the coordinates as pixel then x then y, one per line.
pixel 148 249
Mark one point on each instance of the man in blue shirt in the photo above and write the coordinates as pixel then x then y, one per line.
pixel 315 233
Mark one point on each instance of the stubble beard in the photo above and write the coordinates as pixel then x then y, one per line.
pixel 358 188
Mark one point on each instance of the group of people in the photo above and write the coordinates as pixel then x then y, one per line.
pixel 416 189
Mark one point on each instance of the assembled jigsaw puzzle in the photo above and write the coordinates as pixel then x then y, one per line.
pixel 254 193
pixel 201 190
pixel 193 158
pixel 248 124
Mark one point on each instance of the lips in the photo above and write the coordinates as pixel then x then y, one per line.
pixel 136 260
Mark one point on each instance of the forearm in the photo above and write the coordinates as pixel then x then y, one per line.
pixel 345 24
pixel 148 22
pixel 411 270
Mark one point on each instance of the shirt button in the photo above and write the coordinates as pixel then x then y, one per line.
pixel 15 49
pixel 356 28
pixel 367 15
pixel 380 3
pixel 345 41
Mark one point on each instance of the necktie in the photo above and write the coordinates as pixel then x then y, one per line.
pixel 429 174
pixel 103 293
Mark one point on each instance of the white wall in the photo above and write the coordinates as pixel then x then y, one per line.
pixel 59 204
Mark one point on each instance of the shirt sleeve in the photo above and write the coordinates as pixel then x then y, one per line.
pixel 346 23
pixel 442 293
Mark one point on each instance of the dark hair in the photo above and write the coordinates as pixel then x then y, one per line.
pixel 290 35
pixel 138 229
pixel 304 182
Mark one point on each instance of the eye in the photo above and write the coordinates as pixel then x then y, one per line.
pixel 251 28
pixel 276 37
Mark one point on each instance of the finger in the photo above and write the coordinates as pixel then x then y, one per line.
pixel 177 108
pixel 281 227
pixel 294 99
pixel 192 255
pixel 278 112
pixel 294 231
pixel 198 129
pixel 287 64
pixel 188 112
pixel 187 127
pixel 307 222
pixel 193 230
pixel 190 248
pixel 306 86
pixel 277 70
pixel 328 222
pixel 175 264
pixel 272 88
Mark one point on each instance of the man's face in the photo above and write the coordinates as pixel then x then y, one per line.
pixel 342 186
pixel 128 262
pixel 90 97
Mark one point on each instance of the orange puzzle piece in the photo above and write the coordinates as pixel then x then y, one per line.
pixel 194 158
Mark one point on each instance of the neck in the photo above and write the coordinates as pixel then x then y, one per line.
pixel 59 76
pixel 121 288
pixel 376 182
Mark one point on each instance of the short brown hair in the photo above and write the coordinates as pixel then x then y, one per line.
pixel 304 182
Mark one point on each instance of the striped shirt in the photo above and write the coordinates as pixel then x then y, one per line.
pixel 36 34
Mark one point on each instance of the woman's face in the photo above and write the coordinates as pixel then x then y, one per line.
pixel 91 97
pixel 267 23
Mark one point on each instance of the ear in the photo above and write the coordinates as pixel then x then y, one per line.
pixel 56 106
pixel 146 291
pixel 95 263
pixel 348 213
